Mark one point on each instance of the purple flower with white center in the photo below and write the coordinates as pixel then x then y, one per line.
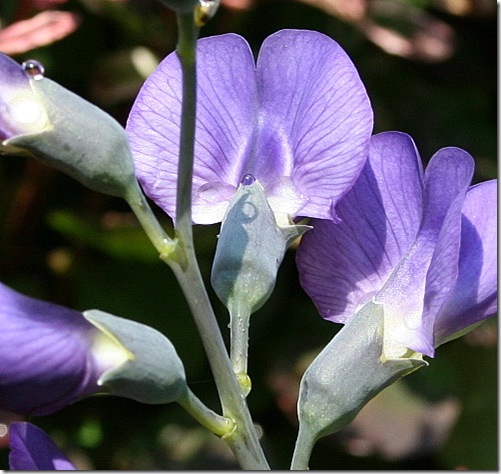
pixel 420 244
pixel 410 264
pixel 31 449
pixel 46 357
pixel 51 356
pixel 298 121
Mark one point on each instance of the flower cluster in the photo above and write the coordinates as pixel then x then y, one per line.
pixel 404 257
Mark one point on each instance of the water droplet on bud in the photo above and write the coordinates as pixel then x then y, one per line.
pixel 248 179
pixel 33 69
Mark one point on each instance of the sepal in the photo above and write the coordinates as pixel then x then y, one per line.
pixel 152 371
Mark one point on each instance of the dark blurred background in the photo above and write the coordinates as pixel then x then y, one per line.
pixel 430 68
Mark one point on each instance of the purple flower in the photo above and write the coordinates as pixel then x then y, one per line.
pixel 298 121
pixel 46 361
pixel 51 356
pixel 32 450
pixel 421 244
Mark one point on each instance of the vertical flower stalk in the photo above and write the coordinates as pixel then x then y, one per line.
pixel 243 438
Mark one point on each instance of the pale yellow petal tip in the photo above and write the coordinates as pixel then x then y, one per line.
pixel 109 351
pixel 396 353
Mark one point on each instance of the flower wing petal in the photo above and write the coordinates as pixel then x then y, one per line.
pixel 315 106
pixel 425 276
pixel 474 297
pixel 32 450
pixel 343 265
pixel 225 118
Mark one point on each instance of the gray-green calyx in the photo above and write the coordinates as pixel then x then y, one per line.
pixel 250 249
pixel 80 139
pixel 152 372
pixel 348 372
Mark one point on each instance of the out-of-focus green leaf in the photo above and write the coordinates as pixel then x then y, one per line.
pixel 472 442
pixel 125 243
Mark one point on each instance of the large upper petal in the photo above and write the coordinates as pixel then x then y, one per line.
pixel 45 361
pixel 302 129
pixel 314 125
pixel 342 266
pixel 474 296
pixel 226 110
pixel 32 450
pixel 425 276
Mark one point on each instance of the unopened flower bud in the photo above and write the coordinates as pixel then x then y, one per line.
pixel 250 248
pixel 40 118
pixel 348 373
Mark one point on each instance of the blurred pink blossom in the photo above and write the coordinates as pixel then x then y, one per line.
pixel 40 30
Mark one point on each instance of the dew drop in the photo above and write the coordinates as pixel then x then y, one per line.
pixel 33 69
pixel 248 179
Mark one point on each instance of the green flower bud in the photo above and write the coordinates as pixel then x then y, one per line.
pixel 40 118
pixel 152 371
pixel 348 373
pixel 250 249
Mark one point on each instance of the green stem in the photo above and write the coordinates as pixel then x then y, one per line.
pixel 239 344
pixel 219 425
pixel 164 244
pixel 243 440
pixel 239 333
pixel 186 51
pixel 302 451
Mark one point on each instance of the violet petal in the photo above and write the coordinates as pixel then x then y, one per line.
pixel 31 449
pixel 342 266
pixel 315 106
pixel 13 85
pixel 226 109
pixel 45 359
pixel 425 275
pixel 301 129
pixel 474 296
